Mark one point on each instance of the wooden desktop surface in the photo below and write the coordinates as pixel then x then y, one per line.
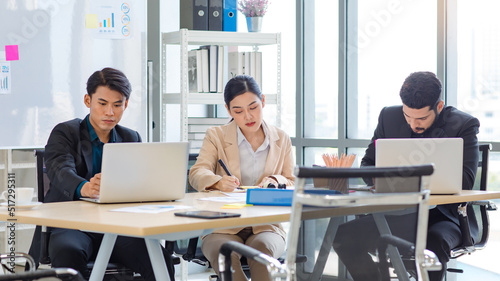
pixel 98 217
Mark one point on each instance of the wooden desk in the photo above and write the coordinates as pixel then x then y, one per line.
pixel 464 196
pixel 98 218
pixel 93 217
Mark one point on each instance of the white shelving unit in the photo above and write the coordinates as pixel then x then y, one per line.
pixel 195 38
pixel 19 161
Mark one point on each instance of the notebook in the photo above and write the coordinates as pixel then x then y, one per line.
pixel 142 172
pixel 445 153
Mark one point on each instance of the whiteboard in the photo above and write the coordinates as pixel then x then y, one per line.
pixel 57 54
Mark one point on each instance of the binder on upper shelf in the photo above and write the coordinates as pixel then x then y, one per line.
pixel 229 19
pixel 186 14
pixel 200 14
pixel 215 15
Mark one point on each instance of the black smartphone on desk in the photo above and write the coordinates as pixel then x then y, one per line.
pixel 202 214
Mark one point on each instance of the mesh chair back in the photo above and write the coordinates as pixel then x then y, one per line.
pixel 381 201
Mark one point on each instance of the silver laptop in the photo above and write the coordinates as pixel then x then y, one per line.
pixel 141 172
pixel 445 153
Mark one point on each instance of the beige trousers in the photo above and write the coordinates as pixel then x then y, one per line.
pixel 269 243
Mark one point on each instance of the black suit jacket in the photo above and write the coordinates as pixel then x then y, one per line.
pixel 450 123
pixel 68 157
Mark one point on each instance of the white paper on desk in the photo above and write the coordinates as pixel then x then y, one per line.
pixel 230 198
pixel 236 194
pixel 150 209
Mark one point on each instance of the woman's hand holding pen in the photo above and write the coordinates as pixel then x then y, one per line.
pixel 227 184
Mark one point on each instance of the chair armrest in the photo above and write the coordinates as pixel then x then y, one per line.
pixel 273 265
pixel 490 206
pixel 464 225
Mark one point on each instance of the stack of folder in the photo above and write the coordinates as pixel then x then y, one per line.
pixel 216 15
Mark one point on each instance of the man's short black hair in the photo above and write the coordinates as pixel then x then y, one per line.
pixel 421 89
pixel 109 77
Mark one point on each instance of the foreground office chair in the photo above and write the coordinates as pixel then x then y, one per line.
pixel 480 208
pixel 64 274
pixel 39 245
pixel 352 204
pixel 191 250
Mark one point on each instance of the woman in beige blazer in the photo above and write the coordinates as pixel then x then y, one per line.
pixel 256 154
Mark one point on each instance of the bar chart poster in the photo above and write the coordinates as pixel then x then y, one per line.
pixel 5 84
pixel 114 19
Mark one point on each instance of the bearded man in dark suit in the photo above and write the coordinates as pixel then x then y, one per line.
pixel 422 115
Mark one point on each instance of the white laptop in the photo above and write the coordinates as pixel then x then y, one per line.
pixel 141 172
pixel 445 153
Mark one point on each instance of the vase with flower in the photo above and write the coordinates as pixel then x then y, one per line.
pixel 254 11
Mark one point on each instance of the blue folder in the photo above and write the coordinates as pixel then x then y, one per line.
pixel 229 20
pixel 278 197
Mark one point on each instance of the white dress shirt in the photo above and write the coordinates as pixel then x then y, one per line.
pixel 252 163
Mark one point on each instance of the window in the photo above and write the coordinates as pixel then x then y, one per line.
pixel 321 43
pixel 394 39
pixel 478 76
pixel 281 17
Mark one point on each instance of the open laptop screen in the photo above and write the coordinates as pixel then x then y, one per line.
pixel 140 172
pixel 445 153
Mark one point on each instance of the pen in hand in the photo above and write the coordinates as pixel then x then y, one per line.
pixel 223 165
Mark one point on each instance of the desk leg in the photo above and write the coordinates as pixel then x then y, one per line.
pixel 157 259
pixel 325 249
pixel 396 260
pixel 102 260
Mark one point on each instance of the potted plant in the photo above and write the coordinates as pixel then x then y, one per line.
pixel 254 11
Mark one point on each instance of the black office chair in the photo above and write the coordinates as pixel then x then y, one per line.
pixel 39 245
pixel 481 209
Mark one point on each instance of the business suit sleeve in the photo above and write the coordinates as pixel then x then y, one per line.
pixel 471 152
pixel 201 174
pixel 369 158
pixel 61 158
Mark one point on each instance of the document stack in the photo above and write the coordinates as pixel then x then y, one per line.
pixel 197 127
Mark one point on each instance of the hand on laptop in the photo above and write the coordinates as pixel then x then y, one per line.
pixel 91 188
pixel 227 184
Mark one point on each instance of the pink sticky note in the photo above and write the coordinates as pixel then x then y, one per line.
pixel 11 52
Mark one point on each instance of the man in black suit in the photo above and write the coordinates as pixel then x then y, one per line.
pixel 73 156
pixel 422 115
